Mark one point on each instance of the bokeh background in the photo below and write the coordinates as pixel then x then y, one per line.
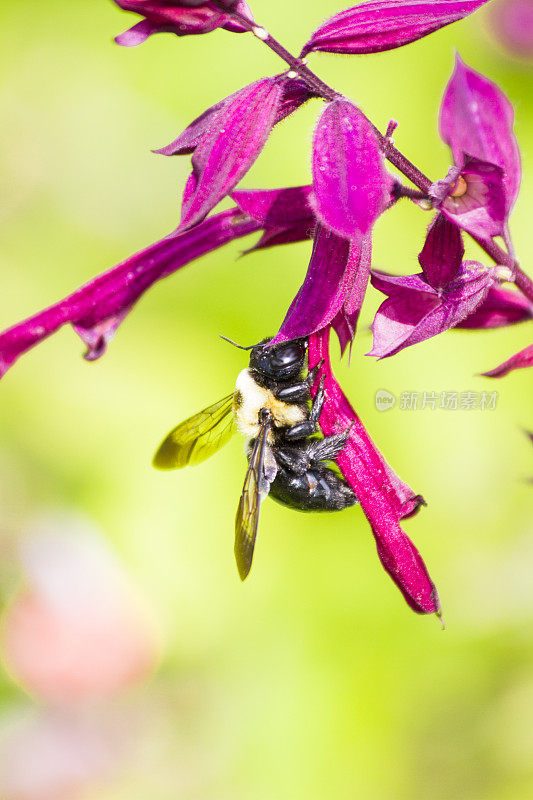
pixel 313 679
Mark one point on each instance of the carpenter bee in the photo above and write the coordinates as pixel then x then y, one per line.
pixel 272 408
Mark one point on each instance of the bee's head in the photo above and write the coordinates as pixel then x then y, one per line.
pixel 280 361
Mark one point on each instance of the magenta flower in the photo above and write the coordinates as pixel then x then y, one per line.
pixel 183 18
pixel 386 24
pixel 351 189
pixel 420 306
pixel 384 498
pixel 476 121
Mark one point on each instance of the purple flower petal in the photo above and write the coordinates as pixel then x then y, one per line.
pixel 413 315
pixel 97 337
pixel 478 202
pixel 236 135
pixel 233 25
pixel 294 94
pixel 384 499
pixel 272 237
pixel 352 186
pixel 321 295
pixel 386 24
pixel 182 18
pixel 354 288
pixel 138 34
pixel 96 309
pixel 520 360
pixel 476 118
pixel 500 307
pixel 393 285
pixel 442 253
pixel 277 207
pixel 286 214
pixel 187 142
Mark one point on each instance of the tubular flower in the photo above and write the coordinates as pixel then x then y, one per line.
pixel 351 188
pixel 96 309
pixel 384 498
pixel 183 18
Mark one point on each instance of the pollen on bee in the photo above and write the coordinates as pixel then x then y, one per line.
pixel 460 188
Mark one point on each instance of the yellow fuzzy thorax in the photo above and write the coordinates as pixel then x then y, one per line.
pixel 250 398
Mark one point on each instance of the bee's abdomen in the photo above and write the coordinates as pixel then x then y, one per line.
pixel 318 489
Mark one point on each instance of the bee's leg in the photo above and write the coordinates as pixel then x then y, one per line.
pixel 318 402
pixel 329 448
pixel 296 460
pixel 297 393
pixel 304 429
pixel 313 373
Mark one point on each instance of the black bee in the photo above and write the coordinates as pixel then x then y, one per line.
pixel 271 406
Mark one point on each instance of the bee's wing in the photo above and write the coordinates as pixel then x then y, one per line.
pixel 198 437
pixel 261 472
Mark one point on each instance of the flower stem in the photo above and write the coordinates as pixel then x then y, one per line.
pixel 406 167
pixel 523 282
pixel 313 81
pixel 391 153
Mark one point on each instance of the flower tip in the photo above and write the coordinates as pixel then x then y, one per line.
pixel 136 35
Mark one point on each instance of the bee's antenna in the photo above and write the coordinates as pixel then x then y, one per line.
pixel 240 346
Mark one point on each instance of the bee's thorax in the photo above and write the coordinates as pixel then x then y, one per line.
pixel 250 398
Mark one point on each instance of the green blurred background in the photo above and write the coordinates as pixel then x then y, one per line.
pixel 312 680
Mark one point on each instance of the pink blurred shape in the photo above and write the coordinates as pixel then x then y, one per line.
pixel 512 24
pixel 56 756
pixel 77 631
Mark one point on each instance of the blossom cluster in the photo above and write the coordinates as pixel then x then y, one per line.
pixel 352 187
